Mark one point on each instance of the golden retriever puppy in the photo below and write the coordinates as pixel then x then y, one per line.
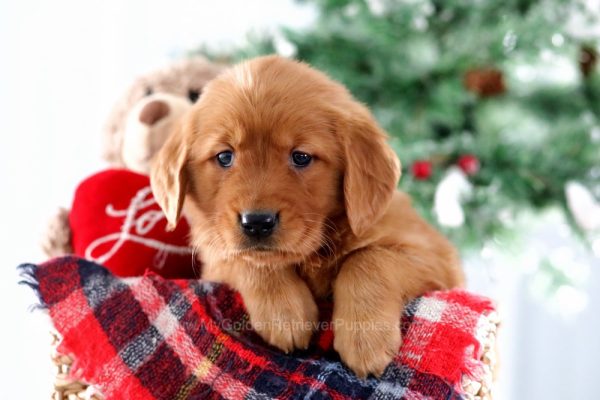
pixel 290 188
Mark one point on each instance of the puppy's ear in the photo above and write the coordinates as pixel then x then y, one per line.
pixel 168 176
pixel 372 170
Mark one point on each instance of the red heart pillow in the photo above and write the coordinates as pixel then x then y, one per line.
pixel 115 221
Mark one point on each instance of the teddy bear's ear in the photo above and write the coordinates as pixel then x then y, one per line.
pixel 168 175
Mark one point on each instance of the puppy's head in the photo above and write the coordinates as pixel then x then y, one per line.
pixel 271 151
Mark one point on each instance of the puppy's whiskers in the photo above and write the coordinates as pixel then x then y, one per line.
pixel 195 269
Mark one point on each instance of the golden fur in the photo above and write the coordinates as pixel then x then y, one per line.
pixel 344 228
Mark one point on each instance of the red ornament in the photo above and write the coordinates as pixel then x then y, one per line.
pixel 422 169
pixel 469 164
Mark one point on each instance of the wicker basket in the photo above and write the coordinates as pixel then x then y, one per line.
pixel 487 333
pixel 66 388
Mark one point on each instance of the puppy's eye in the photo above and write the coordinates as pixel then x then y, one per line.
pixel 300 159
pixel 225 158
pixel 149 91
pixel 193 95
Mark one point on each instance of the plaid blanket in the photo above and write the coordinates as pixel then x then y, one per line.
pixel 151 338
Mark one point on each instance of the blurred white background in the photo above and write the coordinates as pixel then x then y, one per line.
pixel 64 64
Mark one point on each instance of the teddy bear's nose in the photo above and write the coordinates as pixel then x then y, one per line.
pixel 153 112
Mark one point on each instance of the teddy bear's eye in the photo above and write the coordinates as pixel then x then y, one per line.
pixel 149 91
pixel 193 95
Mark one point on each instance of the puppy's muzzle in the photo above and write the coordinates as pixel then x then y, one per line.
pixel 258 224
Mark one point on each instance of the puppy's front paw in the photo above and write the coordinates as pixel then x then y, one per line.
pixel 286 321
pixel 367 346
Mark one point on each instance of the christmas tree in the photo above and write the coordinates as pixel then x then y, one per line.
pixel 493 107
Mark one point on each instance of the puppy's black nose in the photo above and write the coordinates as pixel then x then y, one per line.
pixel 258 224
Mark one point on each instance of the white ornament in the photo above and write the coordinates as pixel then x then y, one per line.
pixel 453 188
pixel 595 134
pixel 283 46
pixel 583 206
pixel 377 7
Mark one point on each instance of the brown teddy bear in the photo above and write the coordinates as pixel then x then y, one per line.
pixel 138 126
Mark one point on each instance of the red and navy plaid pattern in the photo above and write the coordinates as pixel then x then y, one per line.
pixel 151 338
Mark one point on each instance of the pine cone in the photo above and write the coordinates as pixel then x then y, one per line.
pixel 588 57
pixel 485 82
